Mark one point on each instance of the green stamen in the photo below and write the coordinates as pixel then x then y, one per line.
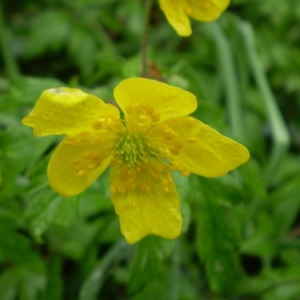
pixel 132 149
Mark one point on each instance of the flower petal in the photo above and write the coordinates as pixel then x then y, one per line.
pixel 176 12
pixel 207 10
pixel 144 99
pixel 67 111
pixel 146 201
pixel 72 168
pixel 195 147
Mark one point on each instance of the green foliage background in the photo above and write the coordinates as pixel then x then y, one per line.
pixel 241 232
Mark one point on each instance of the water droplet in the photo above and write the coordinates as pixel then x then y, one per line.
pixel 80 173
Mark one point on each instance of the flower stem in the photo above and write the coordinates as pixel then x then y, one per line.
pixel 144 46
pixel 8 58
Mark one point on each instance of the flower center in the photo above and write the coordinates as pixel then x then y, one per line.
pixel 132 149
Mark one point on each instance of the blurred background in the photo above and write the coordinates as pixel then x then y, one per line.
pixel 241 233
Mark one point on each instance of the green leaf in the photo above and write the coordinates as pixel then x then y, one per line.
pixel 48 207
pixel 83 48
pixel 16 249
pixel 217 238
pixel 95 280
pixel 150 253
pixel 52 36
pixel 253 180
pixel 8 284
pixel 54 287
pixel 15 161
pixel 285 212
pixel 65 211
pixel 31 284
pixel 10 216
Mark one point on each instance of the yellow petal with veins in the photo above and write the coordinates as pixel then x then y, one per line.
pixel 73 168
pixel 146 201
pixel 67 111
pixel 176 12
pixel 147 101
pixel 196 147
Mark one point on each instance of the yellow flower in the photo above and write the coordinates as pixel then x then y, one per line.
pixel 179 11
pixel 154 137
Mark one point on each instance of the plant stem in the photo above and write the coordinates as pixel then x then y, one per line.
pixel 8 58
pixel 229 76
pixel 144 46
pixel 280 132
